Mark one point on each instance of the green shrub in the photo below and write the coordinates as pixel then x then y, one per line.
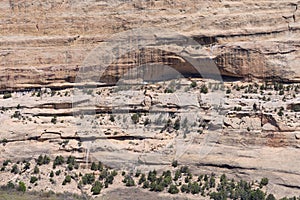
pixel 270 197
pixel 193 84
pixel 10 185
pixel 174 163
pixel 96 188
pixel 137 173
pixel 109 179
pixel 184 169
pixel 57 173
pixel 67 180
pixel 254 106
pixel 173 189
pixel 184 188
pixel 88 179
pixel 36 170
pixel 70 166
pixel 43 160
pixel 280 113
pixel 264 181
pixel 257 195
pixel 281 92
pixel 152 176
pixel 33 179
pixel 167 180
pixel 5 163
pixel 15 169
pixel 40 160
pixel 100 166
pixel 212 182
pixel 129 182
pixel 59 160
pixel 146 184
pixel 177 124
pixel 135 118
pixel 177 175
pixel 21 187
pixel 157 186
pixel 142 179
pixel 17 115
pixel 103 174
pixel 111 118
pixel 147 121
pixel 169 90
pixel 94 166
pixel 71 160
pixel 204 89
pixel 46 160
pixel 27 166
pixel 114 173
pixel 7 95
pixel 54 120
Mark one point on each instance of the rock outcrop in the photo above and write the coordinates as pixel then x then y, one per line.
pixel 253 133
pixel 250 132
pixel 46 43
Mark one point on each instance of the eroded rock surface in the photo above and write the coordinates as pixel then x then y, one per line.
pixel 46 43
pixel 253 133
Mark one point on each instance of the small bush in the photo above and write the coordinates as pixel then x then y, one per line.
pixel 111 118
pixel 147 121
pixel 57 173
pixel 174 163
pixel 96 188
pixel 54 120
pixel 7 95
pixel 59 160
pixel 70 166
pixel 21 187
pixel 264 181
pixel 177 124
pixel 146 184
pixel 204 89
pixel 169 90
pixel 129 182
pixel 67 180
pixel 27 166
pixel 94 166
pixel 193 84
pixel 36 170
pixel 270 197
pixel 142 179
pixel 10 185
pixel 280 113
pixel 33 179
pixel 173 189
pixel 15 169
pixel 5 163
pixel 135 118
pixel 184 188
pixel 88 179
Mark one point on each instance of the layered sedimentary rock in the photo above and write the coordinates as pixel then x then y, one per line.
pixel 46 43
pixel 147 126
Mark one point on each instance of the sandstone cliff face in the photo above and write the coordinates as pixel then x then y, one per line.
pixel 238 138
pixel 45 43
